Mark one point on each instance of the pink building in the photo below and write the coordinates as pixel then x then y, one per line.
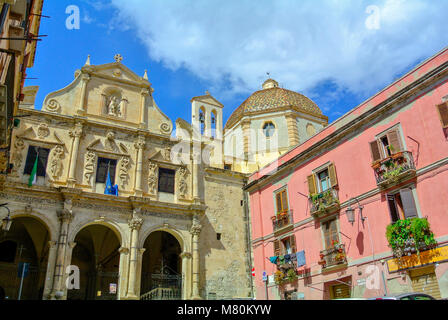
pixel 383 165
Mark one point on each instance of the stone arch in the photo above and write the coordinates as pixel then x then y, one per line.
pixel 107 223
pixel 51 227
pixel 310 129
pixel 184 245
pixel 111 91
pixel 202 114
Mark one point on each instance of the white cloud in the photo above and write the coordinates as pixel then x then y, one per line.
pixel 233 43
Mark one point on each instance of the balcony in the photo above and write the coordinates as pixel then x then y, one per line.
pixel 394 169
pixel 282 222
pixel 324 202
pixel 333 257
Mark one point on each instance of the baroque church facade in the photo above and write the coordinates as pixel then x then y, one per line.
pixel 179 225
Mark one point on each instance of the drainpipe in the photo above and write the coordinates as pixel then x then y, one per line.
pixel 248 240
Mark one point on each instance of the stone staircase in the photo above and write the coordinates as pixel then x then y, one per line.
pixel 162 294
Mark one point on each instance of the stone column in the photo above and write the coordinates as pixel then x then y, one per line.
pixel 196 159
pixel 195 231
pixel 82 97
pixel 144 93
pixel 76 135
pixel 123 273
pixel 134 224
pixel 65 217
pixel 293 131
pixel 140 146
pixel 52 251
pixel 186 280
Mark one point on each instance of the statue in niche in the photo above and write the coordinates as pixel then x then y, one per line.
pixel 152 178
pixel 183 185
pixel 56 161
pixel 113 108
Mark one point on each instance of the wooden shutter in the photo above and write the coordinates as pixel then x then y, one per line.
pixel 443 114
pixel 30 158
pixel 425 281
pixel 312 188
pixel 278 198
pixel 42 161
pixel 292 243
pixel 276 247
pixel 375 151
pixel 332 175
pixel 284 201
pixel 393 137
pixel 407 199
pixel 394 216
pixel 334 235
pixel 326 227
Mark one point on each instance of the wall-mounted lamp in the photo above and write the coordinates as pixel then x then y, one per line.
pixel 350 212
pixel 6 222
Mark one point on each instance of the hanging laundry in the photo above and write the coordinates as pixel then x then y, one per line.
pixel 273 259
pixel 281 259
pixel 301 258
pixel 287 258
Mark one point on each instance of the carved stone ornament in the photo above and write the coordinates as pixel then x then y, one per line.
pixel 165 127
pixel 43 131
pixel 196 226
pixel 89 166
pixel 56 161
pixel 115 106
pixel 166 153
pixel 140 143
pixel 183 184
pixel 152 178
pixel 76 132
pixel 123 173
pixel 53 106
pixel 17 156
pixel 135 223
pixel 109 143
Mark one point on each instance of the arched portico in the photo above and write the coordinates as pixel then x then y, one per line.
pixel 28 241
pixel 96 252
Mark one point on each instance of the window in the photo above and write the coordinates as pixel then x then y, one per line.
pixel 227 166
pixel 104 166
pixel 269 129
pixel 3 16
pixel 281 201
pixel 331 234
pixel 386 145
pixel 310 130
pixel 166 180
pixel 42 154
pixel 322 180
pixel 402 205
pixel 285 246
pixel 443 114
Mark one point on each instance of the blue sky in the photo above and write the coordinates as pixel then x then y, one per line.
pixel 338 53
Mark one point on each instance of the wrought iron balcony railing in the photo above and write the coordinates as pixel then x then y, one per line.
pixel 395 168
pixel 324 202
pixel 333 256
pixel 282 220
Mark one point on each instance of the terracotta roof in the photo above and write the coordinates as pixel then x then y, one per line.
pixel 271 99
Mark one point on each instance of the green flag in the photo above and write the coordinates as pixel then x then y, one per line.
pixel 33 175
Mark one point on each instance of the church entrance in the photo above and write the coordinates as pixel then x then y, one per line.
pixel 23 252
pixel 97 257
pixel 161 268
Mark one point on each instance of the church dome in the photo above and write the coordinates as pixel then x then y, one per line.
pixel 273 98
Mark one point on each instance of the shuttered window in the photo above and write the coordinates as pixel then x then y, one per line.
pixel 402 205
pixel 41 162
pixel 312 188
pixel 407 199
pixel 386 145
pixel 443 114
pixel 282 201
pixel 276 248
pixel 166 180
pixel 331 234
pixel 285 246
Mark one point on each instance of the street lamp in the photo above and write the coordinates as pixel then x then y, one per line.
pixel 350 212
pixel 6 222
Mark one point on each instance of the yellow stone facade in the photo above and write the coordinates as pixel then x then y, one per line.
pixel 109 112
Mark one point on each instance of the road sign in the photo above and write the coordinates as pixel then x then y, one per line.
pixel 253 272
pixel 112 288
pixel 265 276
